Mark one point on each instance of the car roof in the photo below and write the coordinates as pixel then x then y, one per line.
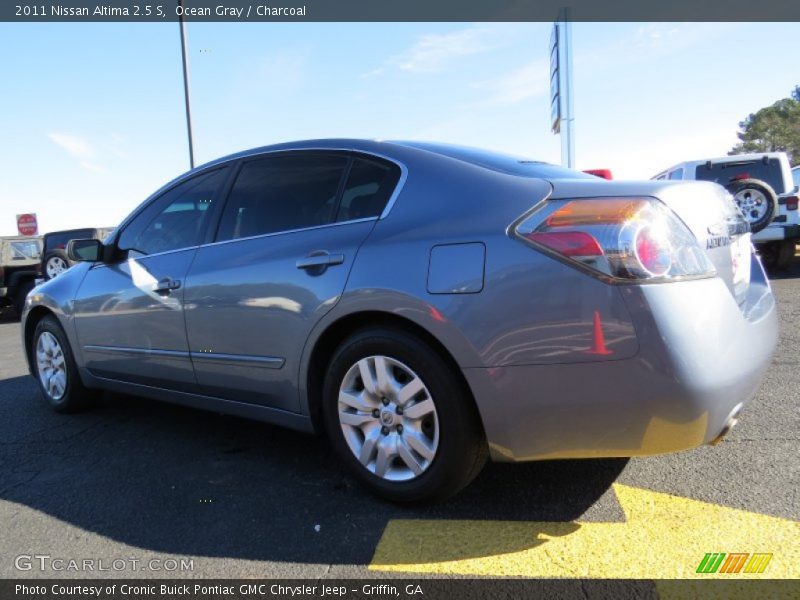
pixel 345 144
pixel 391 149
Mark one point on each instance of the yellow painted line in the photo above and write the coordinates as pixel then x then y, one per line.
pixel 663 537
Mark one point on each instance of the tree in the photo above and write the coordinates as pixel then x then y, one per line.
pixel 774 128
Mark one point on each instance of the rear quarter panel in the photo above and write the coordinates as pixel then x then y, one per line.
pixel 531 309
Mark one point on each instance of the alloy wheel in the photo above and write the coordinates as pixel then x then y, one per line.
pixel 388 418
pixel 51 366
pixel 752 203
pixel 55 266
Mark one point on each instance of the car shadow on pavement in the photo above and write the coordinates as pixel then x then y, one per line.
pixel 176 480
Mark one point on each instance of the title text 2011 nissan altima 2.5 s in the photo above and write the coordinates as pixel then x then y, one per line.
pixel 425 305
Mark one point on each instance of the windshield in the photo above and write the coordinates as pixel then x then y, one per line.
pixel 27 250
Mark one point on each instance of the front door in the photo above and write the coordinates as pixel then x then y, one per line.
pixel 129 313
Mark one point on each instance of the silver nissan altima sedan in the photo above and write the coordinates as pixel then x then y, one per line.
pixel 425 305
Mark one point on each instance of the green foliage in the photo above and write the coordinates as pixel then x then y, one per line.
pixel 774 128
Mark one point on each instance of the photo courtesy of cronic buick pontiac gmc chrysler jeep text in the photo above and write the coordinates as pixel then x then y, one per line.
pixel 425 305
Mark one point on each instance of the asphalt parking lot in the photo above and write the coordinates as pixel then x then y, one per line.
pixel 139 479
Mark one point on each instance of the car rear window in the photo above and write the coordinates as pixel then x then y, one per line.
pixel 725 173
pixel 505 163
pixel 59 241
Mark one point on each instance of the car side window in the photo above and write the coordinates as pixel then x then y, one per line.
pixel 175 220
pixel 283 193
pixel 369 186
pixel 676 174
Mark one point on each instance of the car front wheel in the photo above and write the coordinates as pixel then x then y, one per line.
pixel 400 419
pixel 55 369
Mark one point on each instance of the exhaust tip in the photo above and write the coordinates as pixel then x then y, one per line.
pixel 729 424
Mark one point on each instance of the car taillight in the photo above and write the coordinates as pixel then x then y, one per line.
pixel 632 239
pixel 791 202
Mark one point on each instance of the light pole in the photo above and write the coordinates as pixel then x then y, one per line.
pixel 568 131
pixel 185 61
pixel 561 108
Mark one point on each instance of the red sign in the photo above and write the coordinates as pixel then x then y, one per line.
pixel 27 225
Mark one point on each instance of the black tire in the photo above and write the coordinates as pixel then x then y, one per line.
pixel 462 450
pixel 777 256
pixel 23 289
pixel 765 197
pixel 54 255
pixel 786 252
pixel 76 396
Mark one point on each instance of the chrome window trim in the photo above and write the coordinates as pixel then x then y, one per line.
pixel 386 210
pixel 252 237
pixel 288 231
pixel 98 265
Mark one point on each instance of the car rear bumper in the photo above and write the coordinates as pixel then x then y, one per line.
pixel 777 233
pixel 701 358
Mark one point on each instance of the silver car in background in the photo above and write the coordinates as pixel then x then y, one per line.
pixel 425 305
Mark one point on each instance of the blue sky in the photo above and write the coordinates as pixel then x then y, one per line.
pixel 91 115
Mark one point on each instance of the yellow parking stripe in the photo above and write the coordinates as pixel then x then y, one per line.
pixel 663 536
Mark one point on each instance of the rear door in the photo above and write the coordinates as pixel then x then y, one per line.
pixel 288 236
pixel 129 313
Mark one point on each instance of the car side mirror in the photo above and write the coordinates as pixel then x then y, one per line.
pixel 85 250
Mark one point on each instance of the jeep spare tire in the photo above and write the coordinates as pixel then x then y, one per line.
pixel 55 263
pixel 757 201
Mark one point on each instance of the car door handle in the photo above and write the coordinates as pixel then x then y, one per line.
pixel 316 260
pixel 166 285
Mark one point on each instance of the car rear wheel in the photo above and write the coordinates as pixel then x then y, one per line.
pixel 55 264
pixel 400 419
pixel 55 369
pixel 757 201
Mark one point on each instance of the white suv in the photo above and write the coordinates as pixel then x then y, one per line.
pixel 764 188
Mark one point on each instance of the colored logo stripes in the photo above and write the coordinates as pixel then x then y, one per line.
pixel 736 562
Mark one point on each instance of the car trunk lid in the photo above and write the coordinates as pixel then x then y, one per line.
pixel 720 228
